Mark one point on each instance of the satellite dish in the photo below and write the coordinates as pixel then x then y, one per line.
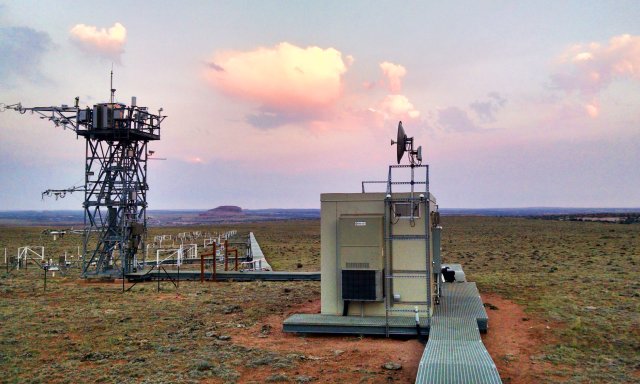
pixel 402 141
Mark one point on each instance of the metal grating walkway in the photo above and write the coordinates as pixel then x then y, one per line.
pixel 462 300
pixel 259 260
pixel 454 352
pixel 464 362
pixel 223 276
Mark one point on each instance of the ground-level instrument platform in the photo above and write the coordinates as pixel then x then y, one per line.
pixel 458 300
pixel 222 275
pixel 361 325
pixel 454 352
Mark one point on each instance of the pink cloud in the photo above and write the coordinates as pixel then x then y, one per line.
pixel 282 78
pixel 106 43
pixel 589 68
pixel 194 160
pixel 394 105
pixel 306 87
pixel 394 74
pixel 397 107
pixel 593 108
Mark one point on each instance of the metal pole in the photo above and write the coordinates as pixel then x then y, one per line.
pixel 202 268
pixel 226 259
pixel 122 279
pixel 236 252
pixel 215 261
pixel 45 279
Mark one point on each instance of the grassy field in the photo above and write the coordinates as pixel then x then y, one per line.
pixel 584 278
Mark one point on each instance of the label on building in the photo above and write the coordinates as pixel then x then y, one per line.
pixel 361 223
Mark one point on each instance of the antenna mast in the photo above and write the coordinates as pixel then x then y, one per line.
pixel 113 91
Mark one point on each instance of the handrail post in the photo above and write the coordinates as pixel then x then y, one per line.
pixel 226 255
pixel 215 261
pixel 201 268
pixel 236 253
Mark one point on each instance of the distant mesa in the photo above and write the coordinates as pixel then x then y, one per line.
pixel 223 211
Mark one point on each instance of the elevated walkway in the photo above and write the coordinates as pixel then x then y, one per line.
pixel 263 271
pixel 454 353
pixel 223 276
pixel 259 261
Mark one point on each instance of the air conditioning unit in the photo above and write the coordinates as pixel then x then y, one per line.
pixel 362 285
pixel 360 242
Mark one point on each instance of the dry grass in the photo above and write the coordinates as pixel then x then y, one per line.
pixel 584 278
pixel 94 333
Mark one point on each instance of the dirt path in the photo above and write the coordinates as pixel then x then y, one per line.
pixel 514 340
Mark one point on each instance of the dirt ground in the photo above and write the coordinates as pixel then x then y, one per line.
pixel 514 341
pixel 558 315
pixel 332 359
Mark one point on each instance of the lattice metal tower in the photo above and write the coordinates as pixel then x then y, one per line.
pixel 115 187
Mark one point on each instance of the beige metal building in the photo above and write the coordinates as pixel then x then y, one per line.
pixel 377 254
pixel 380 255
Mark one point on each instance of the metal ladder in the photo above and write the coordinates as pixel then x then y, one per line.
pixel 390 237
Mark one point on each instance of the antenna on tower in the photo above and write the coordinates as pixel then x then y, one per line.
pixel 405 144
pixel 113 90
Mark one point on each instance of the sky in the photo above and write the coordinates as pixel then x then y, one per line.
pixel 271 103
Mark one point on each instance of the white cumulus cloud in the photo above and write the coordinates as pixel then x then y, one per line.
pixel 284 78
pixel 305 86
pixel 105 43
pixel 394 74
pixel 589 68
pixel 398 106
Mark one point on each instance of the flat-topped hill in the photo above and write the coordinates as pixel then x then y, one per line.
pixel 223 211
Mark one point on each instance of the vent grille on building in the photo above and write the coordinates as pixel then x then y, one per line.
pixel 359 285
pixel 358 265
